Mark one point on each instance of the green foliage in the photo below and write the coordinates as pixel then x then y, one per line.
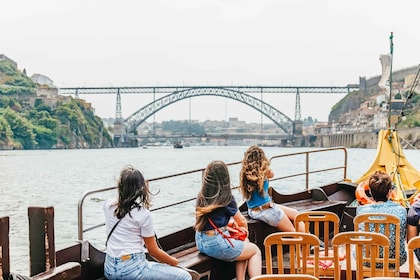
pixel 22 128
pixel 45 137
pixel 71 125
pixel 7 68
pixel 13 82
pixel 16 91
pixel 6 134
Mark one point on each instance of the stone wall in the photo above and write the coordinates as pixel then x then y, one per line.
pixel 410 138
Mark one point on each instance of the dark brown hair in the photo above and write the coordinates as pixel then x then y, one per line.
pixel 133 191
pixel 380 184
pixel 215 192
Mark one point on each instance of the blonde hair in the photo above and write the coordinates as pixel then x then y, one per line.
pixel 255 166
pixel 215 192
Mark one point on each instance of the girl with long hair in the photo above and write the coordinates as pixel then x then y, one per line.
pixel 129 229
pixel 253 184
pixel 216 204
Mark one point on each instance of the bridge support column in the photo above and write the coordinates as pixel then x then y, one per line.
pixel 297 128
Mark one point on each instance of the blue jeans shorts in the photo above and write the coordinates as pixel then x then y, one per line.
pixel 271 216
pixel 218 247
pixel 136 266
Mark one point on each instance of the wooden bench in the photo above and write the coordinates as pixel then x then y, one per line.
pixel 182 246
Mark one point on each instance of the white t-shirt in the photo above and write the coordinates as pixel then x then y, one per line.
pixel 127 237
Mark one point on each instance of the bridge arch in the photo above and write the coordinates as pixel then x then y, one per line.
pixel 137 118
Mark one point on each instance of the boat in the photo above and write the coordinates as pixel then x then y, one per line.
pixel 178 145
pixel 321 184
pixel 335 196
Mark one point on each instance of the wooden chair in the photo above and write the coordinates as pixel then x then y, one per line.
pixel 366 251
pixel 294 248
pixel 384 224
pixel 390 278
pixel 413 262
pixel 322 224
pixel 284 276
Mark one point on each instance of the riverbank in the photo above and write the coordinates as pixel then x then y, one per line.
pixel 410 139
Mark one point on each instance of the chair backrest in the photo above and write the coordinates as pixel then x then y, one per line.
pixel 367 246
pixel 4 248
pixel 384 224
pixel 323 224
pixel 413 262
pixel 284 276
pixel 297 245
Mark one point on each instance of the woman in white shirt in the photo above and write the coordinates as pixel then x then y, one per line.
pixel 129 228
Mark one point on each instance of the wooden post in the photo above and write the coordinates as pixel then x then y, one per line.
pixel 4 248
pixel 41 239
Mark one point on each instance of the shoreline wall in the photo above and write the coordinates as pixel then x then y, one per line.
pixel 410 138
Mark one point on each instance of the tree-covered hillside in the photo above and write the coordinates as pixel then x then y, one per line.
pixel 354 100
pixel 70 123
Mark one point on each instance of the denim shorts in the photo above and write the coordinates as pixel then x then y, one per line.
pixel 271 216
pixel 135 266
pixel 218 247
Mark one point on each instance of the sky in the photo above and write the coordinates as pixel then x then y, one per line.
pixel 87 43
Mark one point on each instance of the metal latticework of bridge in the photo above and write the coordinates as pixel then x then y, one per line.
pixel 173 94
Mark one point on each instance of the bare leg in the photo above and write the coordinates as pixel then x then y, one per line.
pixel 285 224
pixel 291 213
pixel 240 269
pixel 252 255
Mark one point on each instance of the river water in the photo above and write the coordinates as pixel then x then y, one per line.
pixel 59 178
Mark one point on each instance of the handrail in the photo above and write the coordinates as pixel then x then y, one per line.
pixel 306 174
pixel 307 171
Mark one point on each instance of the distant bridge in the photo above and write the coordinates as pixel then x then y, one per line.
pixel 173 94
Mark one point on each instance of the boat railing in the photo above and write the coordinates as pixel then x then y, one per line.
pixel 308 164
pixel 308 170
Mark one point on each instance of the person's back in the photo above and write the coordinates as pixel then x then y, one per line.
pixel 381 186
pixel 215 208
pixel 129 229
pixel 389 207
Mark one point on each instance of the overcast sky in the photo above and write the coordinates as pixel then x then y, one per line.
pixel 209 42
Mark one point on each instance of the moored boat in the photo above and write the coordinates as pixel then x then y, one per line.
pixel 178 145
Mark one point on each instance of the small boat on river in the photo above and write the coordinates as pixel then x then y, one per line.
pixel 178 145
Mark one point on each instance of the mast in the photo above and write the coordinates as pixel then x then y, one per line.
pixel 391 51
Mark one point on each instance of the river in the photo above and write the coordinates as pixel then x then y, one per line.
pixel 60 177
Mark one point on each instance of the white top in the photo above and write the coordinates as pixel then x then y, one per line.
pixel 127 237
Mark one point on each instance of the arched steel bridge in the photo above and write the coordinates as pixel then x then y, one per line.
pixel 173 94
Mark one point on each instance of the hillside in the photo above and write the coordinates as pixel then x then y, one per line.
pixel 354 100
pixel 31 119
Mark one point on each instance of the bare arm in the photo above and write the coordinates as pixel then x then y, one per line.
pixel 269 173
pixel 411 232
pixel 158 253
pixel 240 220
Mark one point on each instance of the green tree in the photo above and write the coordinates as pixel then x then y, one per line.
pixel 21 127
pixel 45 137
pixel 6 134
